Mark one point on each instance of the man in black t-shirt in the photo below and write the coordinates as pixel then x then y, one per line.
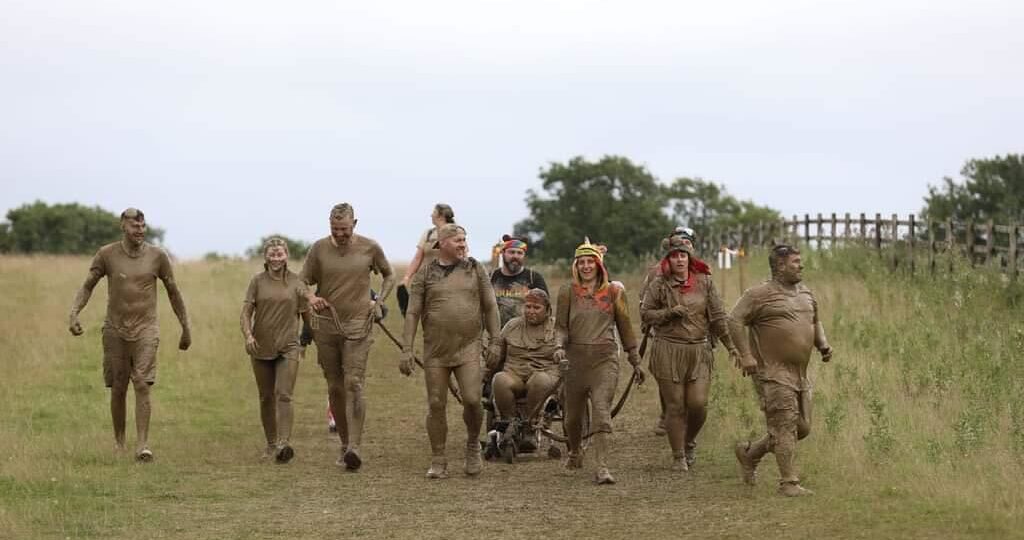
pixel 512 280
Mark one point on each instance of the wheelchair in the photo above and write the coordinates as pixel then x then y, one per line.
pixel 509 440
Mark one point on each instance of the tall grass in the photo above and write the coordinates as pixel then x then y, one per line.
pixel 918 427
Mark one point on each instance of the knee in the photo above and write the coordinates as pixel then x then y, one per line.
pixel 141 388
pixel 354 385
pixel 471 401
pixel 436 405
pixel 283 397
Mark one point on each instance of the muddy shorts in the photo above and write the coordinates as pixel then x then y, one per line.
pixel 345 354
pixel 681 362
pixel 125 360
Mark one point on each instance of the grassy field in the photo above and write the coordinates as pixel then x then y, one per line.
pixel 918 430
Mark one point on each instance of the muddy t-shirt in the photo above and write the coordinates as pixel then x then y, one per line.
pixel 510 291
pixel 454 303
pixel 131 287
pixel 342 275
pixel 590 318
pixel 529 348
pixel 426 243
pixel 704 309
pixel 781 325
pixel 276 306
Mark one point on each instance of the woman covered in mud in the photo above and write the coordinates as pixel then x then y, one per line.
pixel 590 309
pixel 273 303
pixel 686 313
pixel 426 250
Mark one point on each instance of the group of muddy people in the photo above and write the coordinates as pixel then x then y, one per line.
pixel 533 345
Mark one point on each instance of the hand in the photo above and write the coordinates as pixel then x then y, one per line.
pixel 378 310
pixel 826 353
pixel 317 303
pixel 748 364
pixel 74 326
pixel 492 357
pixel 679 311
pixel 251 346
pixel 639 372
pixel 306 336
pixel 406 363
pixel 186 339
pixel 563 362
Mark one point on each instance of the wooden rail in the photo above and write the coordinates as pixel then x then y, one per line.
pixel 904 243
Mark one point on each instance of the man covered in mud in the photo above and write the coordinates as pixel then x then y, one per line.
pixel 130 331
pixel 775 326
pixel 512 280
pixel 339 266
pixel 454 300
pixel 525 353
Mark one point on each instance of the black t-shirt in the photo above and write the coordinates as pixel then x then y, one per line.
pixel 510 291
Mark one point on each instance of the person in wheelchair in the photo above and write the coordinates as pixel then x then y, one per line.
pixel 526 368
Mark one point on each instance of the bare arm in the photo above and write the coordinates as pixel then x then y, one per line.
pixel 245 321
pixel 82 298
pixel 413 313
pixel 562 315
pixel 488 303
pixel 718 319
pixel 624 322
pixel 414 265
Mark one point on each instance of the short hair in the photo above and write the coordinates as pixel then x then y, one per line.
pixel 780 253
pixel 445 211
pixel 133 214
pixel 343 211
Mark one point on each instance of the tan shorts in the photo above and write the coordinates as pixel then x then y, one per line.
pixel 125 360
pixel 681 362
pixel 340 357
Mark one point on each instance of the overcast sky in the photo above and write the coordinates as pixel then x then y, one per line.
pixel 228 120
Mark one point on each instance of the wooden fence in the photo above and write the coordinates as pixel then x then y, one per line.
pixel 905 243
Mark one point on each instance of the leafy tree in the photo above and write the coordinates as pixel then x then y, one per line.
pixel 704 206
pixel 296 248
pixel 62 228
pixel 989 189
pixel 613 201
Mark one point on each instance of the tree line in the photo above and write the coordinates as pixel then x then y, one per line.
pixel 613 200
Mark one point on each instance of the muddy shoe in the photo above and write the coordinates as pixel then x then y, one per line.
pixel 574 461
pixel 438 469
pixel 284 453
pixel 691 454
pixel 603 477
pixel 679 464
pixel 474 464
pixel 352 460
pixel 144 455
pixel 790 489
pixel 747 464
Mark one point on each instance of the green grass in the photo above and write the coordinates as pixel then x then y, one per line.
pixel 918 430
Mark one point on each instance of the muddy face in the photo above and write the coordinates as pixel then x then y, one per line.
pixel 791 270
pixel 454 247
pixel 586 266
pixel 678 263
pixel 134 231
pixel 276 257
pixel 342 230
pixel 535 312
pixel 514 258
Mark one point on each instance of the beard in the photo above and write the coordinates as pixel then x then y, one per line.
pixel 513 266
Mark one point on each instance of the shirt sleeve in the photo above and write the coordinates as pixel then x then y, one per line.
pixel 310 274
pixel 250 293
pixel 300 291
pixel 164 270
pixel 98 266
pixel 380 262
pixel 745 309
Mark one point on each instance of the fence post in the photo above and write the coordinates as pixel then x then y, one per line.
pixel 807 229
pixel 895 240
pixel 783 232
pixel 832 241
pixel 990 242
pixel 911 243
pixel 846 230
pixel 820 230
pixel 863 229
pixel 878 233
pixel 931 245
pixel 796 230
pixel 950 242
pixel 1013 252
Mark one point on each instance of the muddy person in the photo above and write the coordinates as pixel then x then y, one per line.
pixel 589 311
pixel 781 315
pixel 453 298
pixel 513 279
pixel 686 314
pixel 688 237
pixel 130 330
pixel 525 353
pixel 426 250
pixel 274 301
pixel 339 266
